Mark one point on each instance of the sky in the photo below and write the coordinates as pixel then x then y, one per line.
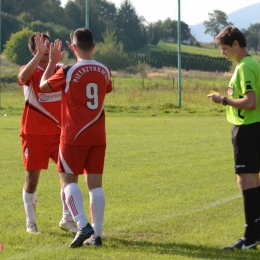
pixel 192 11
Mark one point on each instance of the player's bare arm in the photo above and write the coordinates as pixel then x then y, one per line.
pixel 55 56
pixel 41 50
pixel 248 102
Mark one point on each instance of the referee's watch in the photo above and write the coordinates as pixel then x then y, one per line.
pixel 224 101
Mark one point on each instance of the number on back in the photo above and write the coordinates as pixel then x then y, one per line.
pixel 92 94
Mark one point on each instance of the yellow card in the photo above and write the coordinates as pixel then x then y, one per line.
pixel 213 92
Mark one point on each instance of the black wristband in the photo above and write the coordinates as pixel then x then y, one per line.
pixel 224 101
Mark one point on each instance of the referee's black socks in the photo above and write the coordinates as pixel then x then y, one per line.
pixel 251 206
pixel 258 216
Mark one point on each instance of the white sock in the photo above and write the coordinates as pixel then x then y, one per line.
pixel 29 201
pixel 97 209
pixel 75 203
pixel 66 215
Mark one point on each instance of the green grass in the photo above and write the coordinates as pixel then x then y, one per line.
pixel 169 183
pixel 158 95
pixel 173 47
pixel 170 192
pixel 205 49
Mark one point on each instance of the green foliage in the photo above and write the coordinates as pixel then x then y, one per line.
pixel 204 49
pixel 129 29
pixel 217 21
pixel 16 48
pixel 27 18
pixel 55 31
pixel 102 17
pixel 112 54
pixel 12 24
pixel 159 59
pixel 71 11
pixel 252 35
pixel 153 34
pixel 144 92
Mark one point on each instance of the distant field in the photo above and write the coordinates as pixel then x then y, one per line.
pixel 205 49
pixel 156 94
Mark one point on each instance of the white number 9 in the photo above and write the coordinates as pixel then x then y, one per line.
pixel 92 94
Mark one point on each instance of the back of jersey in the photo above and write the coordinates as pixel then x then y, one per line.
pixel 83 116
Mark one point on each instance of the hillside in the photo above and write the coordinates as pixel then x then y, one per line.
pixel 206 49
pixel 241 18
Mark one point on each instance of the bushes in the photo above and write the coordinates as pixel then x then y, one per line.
pixel 12 24
pixel 55 31
pixel 16 48
pixel 112 54
pixel 161 59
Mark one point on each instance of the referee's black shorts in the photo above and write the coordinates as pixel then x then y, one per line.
pixel 246 146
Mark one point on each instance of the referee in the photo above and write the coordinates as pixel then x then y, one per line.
pixel 243 112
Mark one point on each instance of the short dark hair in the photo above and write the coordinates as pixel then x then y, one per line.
pixel 230 34
pixel 83 38
pixel 31 41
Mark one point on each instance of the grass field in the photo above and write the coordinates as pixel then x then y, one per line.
pixel 170 193
pixel 169 183
pixel 157 94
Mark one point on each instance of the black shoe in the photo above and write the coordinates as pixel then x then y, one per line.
pixel 242 244
pixel 257 241
pixel 93 241
pixel 82 235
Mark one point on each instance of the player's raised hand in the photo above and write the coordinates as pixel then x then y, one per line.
pixel 41 43
pixel 56 53
pixel 71 44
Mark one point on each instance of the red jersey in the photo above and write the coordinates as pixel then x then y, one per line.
pixel 84 87
pixel 42 111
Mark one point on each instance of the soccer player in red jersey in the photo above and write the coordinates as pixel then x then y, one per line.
pixel 83 137
pixel 40 128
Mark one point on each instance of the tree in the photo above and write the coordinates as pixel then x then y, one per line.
pixel 8 6
pixel 111 53
pixel 252 35
pixel 51 11
pixel 44 10
pixel 25 17
pixel 153 33
pixel 73 20
pixel 16 48
pixel 167 31
pixel 55 31
pixel 131 31
pixel 12 24
pixel 217 21
pixel 102 17
pixel 142 67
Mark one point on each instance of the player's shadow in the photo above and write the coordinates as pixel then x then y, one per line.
pixel 181 249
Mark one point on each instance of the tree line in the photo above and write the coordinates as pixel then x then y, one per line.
pixel 119 32
pixel 131 30
pixel 219 20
